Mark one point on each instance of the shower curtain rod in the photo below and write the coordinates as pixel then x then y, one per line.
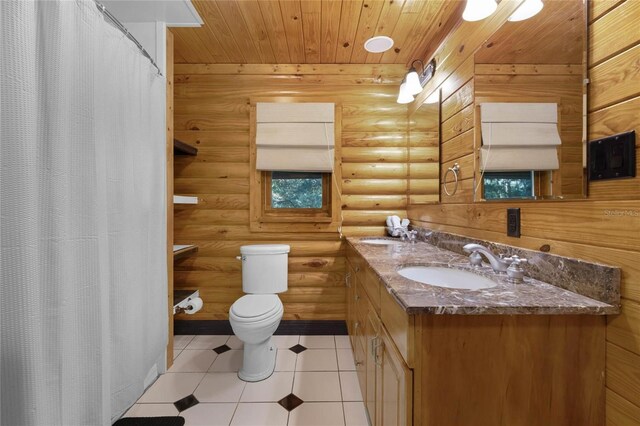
pixel 125 31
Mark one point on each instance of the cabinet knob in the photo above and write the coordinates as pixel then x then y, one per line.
pixel 358 363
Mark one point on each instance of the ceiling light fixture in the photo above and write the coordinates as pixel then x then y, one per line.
pixel 476 10
pixel 378 44
pixel 404 97
pixel 526 10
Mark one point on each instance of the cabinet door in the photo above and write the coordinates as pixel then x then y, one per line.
pixel 361 313
pixel 350 283
pixel 394 382
pixel 359 355
pixel 371 334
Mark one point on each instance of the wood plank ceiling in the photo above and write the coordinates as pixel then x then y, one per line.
pixel 554 36
pixel 314 31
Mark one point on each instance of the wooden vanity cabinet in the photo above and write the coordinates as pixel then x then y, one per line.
pixel 516 370
pixel 385 379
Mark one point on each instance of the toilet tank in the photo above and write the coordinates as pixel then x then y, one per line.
pixel 264 268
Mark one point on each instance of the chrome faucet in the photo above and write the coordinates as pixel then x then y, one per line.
pixel 410 236
pixel 498 264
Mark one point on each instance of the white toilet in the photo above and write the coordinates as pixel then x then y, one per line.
pixel 256 316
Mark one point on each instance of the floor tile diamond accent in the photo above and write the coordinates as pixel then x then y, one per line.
pixel 297 348
pixel 290 402
pixel 186 402
pixel 222 349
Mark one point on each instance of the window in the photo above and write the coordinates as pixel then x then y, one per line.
pixel 296 197
pixel 301 136
pixel 294 193
pixel 501 185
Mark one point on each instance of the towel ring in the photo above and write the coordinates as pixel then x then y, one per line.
pixel 455 169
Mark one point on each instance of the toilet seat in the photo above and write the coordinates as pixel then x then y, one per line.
pixel 255 307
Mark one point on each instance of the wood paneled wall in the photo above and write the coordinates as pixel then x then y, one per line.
pixel 603 228
pixel 212 113
pixel 614 92
pixel 424 154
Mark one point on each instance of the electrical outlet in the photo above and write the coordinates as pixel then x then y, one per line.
pixel 513 222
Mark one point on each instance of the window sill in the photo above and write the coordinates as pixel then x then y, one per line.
pixel 327 225
pixel 294 219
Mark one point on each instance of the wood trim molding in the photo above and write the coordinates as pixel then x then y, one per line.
pixel 169 172
pixel 286 327
pixel 388 70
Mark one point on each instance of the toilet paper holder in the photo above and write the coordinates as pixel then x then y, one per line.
pixel 181 309
pixel 183 303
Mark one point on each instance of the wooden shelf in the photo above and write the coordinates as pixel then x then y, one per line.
pixel 180 296
pixel 184 199
pixel 181 148
pixel 181 251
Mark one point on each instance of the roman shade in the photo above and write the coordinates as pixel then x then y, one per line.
pixel 519 136
pixel 295 136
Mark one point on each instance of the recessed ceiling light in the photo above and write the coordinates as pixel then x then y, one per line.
pixel 378 44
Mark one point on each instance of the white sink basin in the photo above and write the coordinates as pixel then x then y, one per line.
pixel 380 241
pixel 446 277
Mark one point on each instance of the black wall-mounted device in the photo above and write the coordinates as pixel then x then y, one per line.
pixel 513 222
pixel 613 157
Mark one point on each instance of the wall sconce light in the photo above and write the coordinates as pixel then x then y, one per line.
pixel 413 82
pixel 526 10
pixel 404 97
pixel 476 10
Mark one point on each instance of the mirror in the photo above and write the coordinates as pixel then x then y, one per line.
pixel 424 152
pixel 539 60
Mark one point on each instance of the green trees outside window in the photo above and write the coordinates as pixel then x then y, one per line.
pixel 500 185
pixel 296 190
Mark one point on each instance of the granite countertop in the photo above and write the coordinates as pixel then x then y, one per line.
pixel 530 297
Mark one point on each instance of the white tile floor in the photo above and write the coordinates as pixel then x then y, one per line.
pixel 323 376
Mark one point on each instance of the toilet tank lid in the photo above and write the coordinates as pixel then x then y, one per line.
pixel 265 249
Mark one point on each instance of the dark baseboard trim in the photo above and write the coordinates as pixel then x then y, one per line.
pixel 302 327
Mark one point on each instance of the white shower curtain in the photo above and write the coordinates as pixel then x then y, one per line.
pixel 83 303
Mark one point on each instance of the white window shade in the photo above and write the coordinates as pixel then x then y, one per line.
pixel 515 159
pixel 519 112
pixel 519 136
pixel 295 136
pixel 295 112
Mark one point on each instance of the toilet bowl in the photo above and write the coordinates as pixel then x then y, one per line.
pixel 254 318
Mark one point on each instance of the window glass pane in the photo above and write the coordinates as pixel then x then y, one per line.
pixel 499 185
pixel 296 190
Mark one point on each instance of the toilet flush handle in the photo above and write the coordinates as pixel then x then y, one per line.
pixel 241 258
